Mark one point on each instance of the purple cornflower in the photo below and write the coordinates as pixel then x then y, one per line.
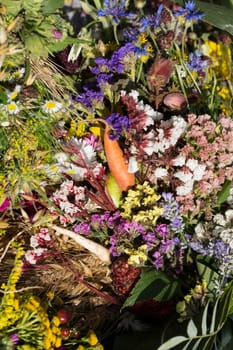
pixel 115 10
pixel 196 63
pixel 189 12
pixel 90 98
pixel 83 228
pixel 119 123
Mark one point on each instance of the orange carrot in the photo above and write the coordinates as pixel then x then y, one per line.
pixel 116 161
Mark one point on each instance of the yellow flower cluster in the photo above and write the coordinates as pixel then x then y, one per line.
pixel 140 205
pixel 90 342
pixel 26 315
pixel 9 307
pixel 220 56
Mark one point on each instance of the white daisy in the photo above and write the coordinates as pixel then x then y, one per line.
pixel 12 108
pixel 51 106
pixel 12 95
pixel 19 73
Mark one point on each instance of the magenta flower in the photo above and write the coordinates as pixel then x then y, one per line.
pixel 5 204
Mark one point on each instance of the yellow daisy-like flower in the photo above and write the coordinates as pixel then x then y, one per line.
pixel 51 106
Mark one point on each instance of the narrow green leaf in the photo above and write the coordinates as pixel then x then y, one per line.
pixel 196 345
pixel 187 345
pixel 204 320
pixel 191 329
pixel 213 319
pixel 171 343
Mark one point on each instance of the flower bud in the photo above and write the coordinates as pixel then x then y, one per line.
pixel 175 101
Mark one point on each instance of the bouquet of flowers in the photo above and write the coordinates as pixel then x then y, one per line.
pixel 128 152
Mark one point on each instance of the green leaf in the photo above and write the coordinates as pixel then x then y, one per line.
pixel 153 284
pixel 13 6
pixel 171 343
pixel 204 320
pixel 226 304
pixel 206 272
pixel 50 6
pixel 218 16
pixel 224 193
pixel 191 329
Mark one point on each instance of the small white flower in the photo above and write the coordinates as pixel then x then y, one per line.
pixel 12 108
pixel 133 165
pixel 160 173
pixel 229 216
pixel 185 189
pixel 179 160
pixel 61 157
pixel 199 172
pixel 184 176
pixel 200 231
pixel 34 242
pixel 51 106
pixel 219 219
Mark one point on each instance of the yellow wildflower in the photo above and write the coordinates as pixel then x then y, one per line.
pixel 137 256
pixel 92 338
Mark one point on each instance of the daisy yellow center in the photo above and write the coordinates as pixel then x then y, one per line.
pixel 51 104
pixel 11 107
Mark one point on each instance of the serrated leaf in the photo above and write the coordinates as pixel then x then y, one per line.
pixel 171 343
pixel 191 329
pixel 152 285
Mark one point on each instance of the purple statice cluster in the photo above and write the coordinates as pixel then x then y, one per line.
pixel 218 250
pixel 116 9
pixel 166 244
pixel 120 62
pixel 91 99
pixel 119 123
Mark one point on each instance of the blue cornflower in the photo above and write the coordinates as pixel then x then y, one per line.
pixel 196 63
pixel 152 21
pixel 115 10
pixel 119 123
pixel 189 12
